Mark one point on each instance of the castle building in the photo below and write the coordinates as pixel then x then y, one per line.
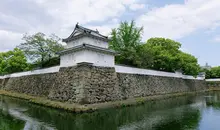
pixel 86 46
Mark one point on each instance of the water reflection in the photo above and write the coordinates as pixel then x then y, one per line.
pixel 181 113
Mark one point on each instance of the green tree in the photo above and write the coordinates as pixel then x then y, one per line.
pixel 126 40
pixel 188 64
pixel 39 48
pixel 165 53
pixel 144 58
pixel 13 61
pixel 214 72
pixel 167 56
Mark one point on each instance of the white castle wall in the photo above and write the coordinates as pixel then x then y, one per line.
pixel 212 80
pixel 131 70
pixel 118 69
pixel 97 58
pixel 34 72
pixel 87 40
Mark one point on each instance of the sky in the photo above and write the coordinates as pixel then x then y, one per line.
pixel 193 23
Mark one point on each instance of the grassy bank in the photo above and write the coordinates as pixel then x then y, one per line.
pixel 77 108
pixel 48 103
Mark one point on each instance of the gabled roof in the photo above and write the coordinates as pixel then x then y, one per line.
pixel 80 31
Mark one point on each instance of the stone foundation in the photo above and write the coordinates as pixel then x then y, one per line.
pixel 87 84
pixel 213 84
pixel 37 85
pixel 134 85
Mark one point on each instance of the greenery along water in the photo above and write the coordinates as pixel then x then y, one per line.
pixel 200 112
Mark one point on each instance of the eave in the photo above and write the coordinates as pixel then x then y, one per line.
pixel 88 47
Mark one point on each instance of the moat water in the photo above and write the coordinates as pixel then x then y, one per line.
pixel 198 112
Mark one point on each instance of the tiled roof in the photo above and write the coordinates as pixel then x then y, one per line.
pixel 80 31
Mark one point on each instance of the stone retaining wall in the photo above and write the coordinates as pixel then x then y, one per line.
pixel 1 83
pixel 134 85
pixel 37 85
pixel 213 84
pixel 86 84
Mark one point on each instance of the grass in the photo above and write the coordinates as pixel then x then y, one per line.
pixel 49 103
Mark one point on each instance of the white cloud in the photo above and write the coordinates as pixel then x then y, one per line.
pixel 56 16
pixel 68 12
pixel 60 16
pixel 179 20
pixel 9 40
pixel 135 7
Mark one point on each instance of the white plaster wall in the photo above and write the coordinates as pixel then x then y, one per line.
pixel 72 59
pixel 87 40
pixel 212 80
pixel 34 72
pixel 131 70
pixel 98 59
pixel 107 62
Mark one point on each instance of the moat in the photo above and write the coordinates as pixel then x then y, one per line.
pixel 194 112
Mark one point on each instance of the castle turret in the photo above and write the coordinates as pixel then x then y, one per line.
pixel 86 46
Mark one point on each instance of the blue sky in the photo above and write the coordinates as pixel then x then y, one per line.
pixel 194 23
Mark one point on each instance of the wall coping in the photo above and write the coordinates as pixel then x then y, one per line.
pixel 132 70
pixel 118 69
pixel 212 80
pixel 33 72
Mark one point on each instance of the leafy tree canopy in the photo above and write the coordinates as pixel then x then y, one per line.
pixel 157 53
pixel 214 72
pixel 13 61
pixel 167 56
pixel 126 39
pixel 39 48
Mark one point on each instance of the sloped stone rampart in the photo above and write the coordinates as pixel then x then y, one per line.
pixel 87 84
pixel 37 85
pixel 134 85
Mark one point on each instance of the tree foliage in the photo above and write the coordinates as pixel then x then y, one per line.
pixel 157 53
pixel 126 40
pixel 164 52
pixel 214 72
pixel 169 57
pixel 13 61
pixel 39 48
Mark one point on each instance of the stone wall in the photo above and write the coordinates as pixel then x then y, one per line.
pixel 91 84
pixel 38 85
pixel 213 84
pixel 1 83
pixel 85 84
pixel 135 85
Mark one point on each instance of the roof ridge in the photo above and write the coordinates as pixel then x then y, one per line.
pixel 84 28
pixel 85 31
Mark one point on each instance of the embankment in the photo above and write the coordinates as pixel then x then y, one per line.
pixel 87 84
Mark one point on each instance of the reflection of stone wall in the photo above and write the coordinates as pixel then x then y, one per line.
pixel 91 84
pixel 133 85
pixel 213 84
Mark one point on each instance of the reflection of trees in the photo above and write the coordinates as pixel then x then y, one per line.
pixel 157 114
pixel 7 122
pixel 214 100
pixel 188 119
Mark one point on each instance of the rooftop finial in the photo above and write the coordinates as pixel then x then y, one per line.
pixel 97 30
pixel 77 24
